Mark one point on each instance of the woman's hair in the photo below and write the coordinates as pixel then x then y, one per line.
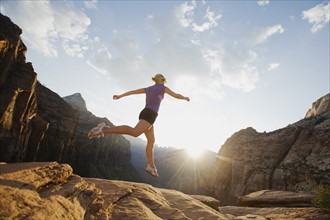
pixel 158 77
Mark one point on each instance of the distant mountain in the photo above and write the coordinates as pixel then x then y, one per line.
pixel 177 170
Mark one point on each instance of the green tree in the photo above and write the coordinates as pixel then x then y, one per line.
pixel 322 198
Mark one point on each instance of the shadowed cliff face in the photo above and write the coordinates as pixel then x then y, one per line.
pixel 17 93
pixel 294 158
pixel 38 125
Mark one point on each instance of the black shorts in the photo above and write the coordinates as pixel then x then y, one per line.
pixel 148 115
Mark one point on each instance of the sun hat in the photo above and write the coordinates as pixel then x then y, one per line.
pixel 159 76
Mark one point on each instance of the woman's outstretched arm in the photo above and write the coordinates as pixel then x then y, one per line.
pixel 132 92
pixel 176 95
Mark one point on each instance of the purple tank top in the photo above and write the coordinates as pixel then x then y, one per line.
pixel 154 96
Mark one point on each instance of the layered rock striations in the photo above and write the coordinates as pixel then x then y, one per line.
pixel 36 124
pixel 17 92
pixel 294 158
pixel 52 191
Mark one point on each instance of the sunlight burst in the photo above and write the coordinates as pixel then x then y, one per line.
pixel 195 152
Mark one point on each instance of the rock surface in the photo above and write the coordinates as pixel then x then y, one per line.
pixel 319 107
pixel 36 124
pixel 209 201
pixel 294 158
pixel 43 191
pixel 50 190
pixel 269 198
pixel 278 213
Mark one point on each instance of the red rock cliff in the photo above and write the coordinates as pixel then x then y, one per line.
pixel 294 158
pixel 36 124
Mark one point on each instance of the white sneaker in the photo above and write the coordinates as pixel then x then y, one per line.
pixel 152 171
pixel 96 132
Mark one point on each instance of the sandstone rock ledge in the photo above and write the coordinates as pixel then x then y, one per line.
pixel 50 190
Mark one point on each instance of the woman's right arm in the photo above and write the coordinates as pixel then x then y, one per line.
pixel 176 95
pixel 132 92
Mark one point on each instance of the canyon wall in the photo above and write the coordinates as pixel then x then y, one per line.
pixel 36 124
pixel 294 158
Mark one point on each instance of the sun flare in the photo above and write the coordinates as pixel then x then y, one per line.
pixel 195 153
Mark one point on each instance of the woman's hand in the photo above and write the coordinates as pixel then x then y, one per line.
pixel 115 97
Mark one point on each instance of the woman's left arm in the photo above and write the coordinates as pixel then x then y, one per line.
pixel 176 95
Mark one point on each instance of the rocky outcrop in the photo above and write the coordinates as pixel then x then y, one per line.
pixel 209 201
pixel 294 158
pixel 36 124
pixel 78 103
pixel 51 191
pixel 270 198
pixel 319 107
pixel 48 190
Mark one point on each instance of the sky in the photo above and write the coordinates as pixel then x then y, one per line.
pixel 257 64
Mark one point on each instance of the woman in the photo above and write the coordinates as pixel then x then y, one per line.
pixel 147 117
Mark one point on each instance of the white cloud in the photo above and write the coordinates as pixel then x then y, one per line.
pixel 236 67
pixel 98 69
pixel 245 78
pixel 74 49
pixel 211 21
pixel 174 52
pixel 317 16
pixel 178 55
pixel 2 9
pixel 263 2
pixel 185 15
pixel 126 67
pixel 273 66
pixel 39 30
pixel 50 24
pixel 90 4
pixel 266 33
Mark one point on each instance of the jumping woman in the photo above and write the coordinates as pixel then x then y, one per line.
pixel 147 117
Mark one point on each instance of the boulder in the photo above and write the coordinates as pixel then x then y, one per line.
pixel 43 191
pixel 207 200
pixel 270 198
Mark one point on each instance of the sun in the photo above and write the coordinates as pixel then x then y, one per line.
pixel 194 153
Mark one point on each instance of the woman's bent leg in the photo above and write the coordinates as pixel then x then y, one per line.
pixel 140 128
